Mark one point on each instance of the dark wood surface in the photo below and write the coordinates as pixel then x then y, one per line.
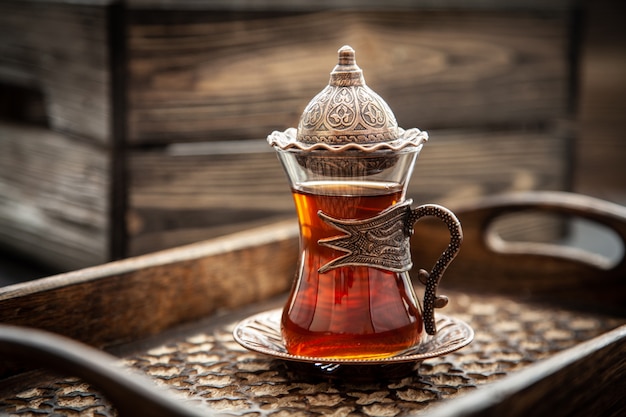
pixel 601 145
pixel 563 381
pixel 138 297
pixel 59 159
pixel 61 50
pixel 304 5
pixel 584 381
pixel 54 197
pixel 126 82
pixel 202 76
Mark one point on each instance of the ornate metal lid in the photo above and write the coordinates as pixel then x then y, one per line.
pixel 347 110
pixel 347 114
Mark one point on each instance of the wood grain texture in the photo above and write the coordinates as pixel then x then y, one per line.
pixel 601 148
pixel 551 272
pixel 198 76
pixel 61 50
pixel 211 75
pixel 196 191
pixel 125 300
pixel 53 197
pixel 586 380
pixel 304 5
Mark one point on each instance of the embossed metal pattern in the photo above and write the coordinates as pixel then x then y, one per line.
pixel 347 115
pixel 347 110
pixel 206 365
pixel 261 333
pixel 411 139
pixel 340 115
pixel 381 241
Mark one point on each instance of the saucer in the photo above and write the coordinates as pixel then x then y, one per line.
pixel 261 333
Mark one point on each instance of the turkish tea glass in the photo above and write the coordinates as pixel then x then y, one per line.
pixel 352 296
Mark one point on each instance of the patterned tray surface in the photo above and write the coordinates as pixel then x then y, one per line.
pixel 203 363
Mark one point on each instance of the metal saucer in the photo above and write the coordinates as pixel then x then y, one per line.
pixel 261 333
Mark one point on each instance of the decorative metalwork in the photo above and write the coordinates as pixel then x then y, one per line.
pixel 383 241
pixel 431 299
pixel 261 333
pixel 348 132
pixel 347 110
pixel 347 115
pixel 410 138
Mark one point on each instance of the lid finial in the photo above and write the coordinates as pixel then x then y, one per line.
pixel 346 73
pixel 346 55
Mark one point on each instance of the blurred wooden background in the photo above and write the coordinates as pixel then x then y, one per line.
pixel 129 127
pixel 599 168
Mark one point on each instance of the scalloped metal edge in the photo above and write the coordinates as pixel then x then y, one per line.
pixel 408 138
pixel 261 333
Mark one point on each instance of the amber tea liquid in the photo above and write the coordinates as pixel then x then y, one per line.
pixel 350 311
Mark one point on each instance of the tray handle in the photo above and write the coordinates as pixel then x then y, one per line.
pixel 602 212
pixel 131 393
pixel 550 272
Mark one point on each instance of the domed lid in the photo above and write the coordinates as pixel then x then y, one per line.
pixel 347 110
pixel 347 114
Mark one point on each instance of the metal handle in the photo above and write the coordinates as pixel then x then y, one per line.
pixel 432 279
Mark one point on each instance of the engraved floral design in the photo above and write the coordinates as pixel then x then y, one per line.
pixel 342 114
pixel 374 113
pixel 346 115
pixel 312 115
pixel 347 110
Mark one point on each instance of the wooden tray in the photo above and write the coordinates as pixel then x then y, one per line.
pixel 549 324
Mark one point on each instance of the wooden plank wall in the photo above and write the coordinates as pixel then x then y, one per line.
pixel 128 155
pixel 490 87
pixel 62 51
pixel 601 145
pixel 196 191
pixel 55 164
pixel 53 197
pixel 200 76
